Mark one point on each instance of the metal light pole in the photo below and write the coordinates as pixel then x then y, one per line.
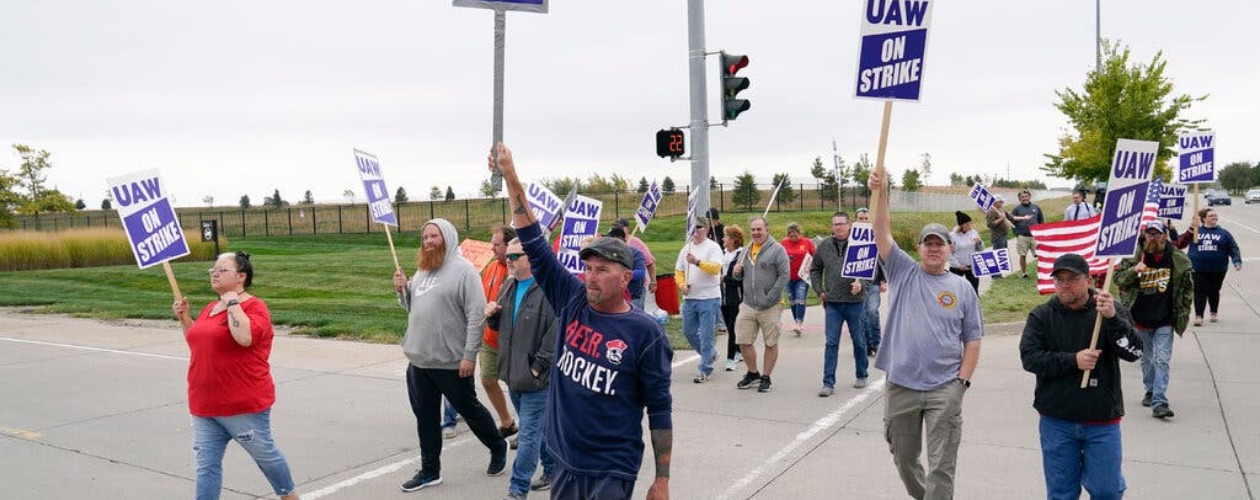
pixel 699 104
pixel 1097 35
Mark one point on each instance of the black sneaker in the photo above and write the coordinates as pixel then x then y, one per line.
pixel 498 461
pixel 749 381
pixel 765 384
pixel 421 481
pixel 543 483
pixel 1162 411
pixel 1146 400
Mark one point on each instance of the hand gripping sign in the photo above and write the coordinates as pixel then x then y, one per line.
pixel 861 256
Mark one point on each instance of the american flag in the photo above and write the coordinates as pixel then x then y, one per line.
pixel 1150 211
pixel 1057 238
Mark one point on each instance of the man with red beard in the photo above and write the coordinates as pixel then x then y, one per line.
pixel 1156 287
pixel 446 311
pixel 612 362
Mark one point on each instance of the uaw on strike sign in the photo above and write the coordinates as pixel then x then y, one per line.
pixel 148 218
pixel 1131 171
pixel 894 40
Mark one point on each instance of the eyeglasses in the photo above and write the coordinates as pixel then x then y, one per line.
pixel 219 270
pixel 513 256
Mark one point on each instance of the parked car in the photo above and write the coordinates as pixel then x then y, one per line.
pixel 1252 195
pixel 1219 198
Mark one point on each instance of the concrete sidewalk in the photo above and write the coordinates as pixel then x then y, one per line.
pixel 96 409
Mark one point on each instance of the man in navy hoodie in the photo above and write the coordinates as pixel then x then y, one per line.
pixel 611 363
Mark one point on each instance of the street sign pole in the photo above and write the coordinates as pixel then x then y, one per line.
pixel 699 104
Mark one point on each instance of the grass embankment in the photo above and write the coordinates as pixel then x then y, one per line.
pixel 339 286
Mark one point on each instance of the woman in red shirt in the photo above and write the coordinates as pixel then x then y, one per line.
pixel 797 249
pixel 230 391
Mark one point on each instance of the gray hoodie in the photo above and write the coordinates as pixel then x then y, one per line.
pixel 764 282
pixel 446 310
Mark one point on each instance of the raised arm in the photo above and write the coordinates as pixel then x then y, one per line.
pixel 882 218
pixel 521 214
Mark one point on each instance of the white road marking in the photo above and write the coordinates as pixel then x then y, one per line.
pixel 685 360
pixel 96 349
pixel 375 473
pixel 819 425
pixel 1233 222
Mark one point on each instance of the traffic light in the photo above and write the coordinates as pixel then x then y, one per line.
pixel 732 85
pixel 670 143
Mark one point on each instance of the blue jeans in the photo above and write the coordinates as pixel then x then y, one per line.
pixel 698 319
pixel 1156 351
pixel 1075 454
pixel 531 408
pixel 253 432
pixel 871 323
pixel 838 313
pixel 797 291
pixel 449 415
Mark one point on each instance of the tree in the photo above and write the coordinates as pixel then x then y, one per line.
pixel 275 200
pixel 106 205
pixel 713 184
pixel 667 185
pixel 400 196
pixel 80 205
pixel 1255 175
pixel 828 188
pixel 435 193
pixel 348 195
pixel 30 178
pixel 925 169
pixel 955 179
pixel 746 194
pixel 1235 177
pixel 208 200
pixel 862 173
pixel 307 199
pixel 487 189
pixel 911 179
pixel 643 185
pixel 786 193
pixel 561 186
pixel 1118 101
pixel 244 201
pixel 450 194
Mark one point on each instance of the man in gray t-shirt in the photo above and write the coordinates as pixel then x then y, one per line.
pixel 930 349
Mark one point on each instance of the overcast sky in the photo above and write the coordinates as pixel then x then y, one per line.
pixel 232 97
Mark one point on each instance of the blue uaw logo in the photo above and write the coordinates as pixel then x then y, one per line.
pixel 947 299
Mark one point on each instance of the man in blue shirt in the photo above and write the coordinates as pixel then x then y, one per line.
pixel 612 362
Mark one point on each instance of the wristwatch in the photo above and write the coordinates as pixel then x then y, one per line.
pixel 233 302
pixel 966 383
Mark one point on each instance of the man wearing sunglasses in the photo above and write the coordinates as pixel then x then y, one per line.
pixel 1156 287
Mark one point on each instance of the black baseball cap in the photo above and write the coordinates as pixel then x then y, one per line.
pixel 609 248
pixel 1071 262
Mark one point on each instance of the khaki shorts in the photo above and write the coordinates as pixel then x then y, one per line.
pixel 488 358
pixel 1024 244
pixel 750 321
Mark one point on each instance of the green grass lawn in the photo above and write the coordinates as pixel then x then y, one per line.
pixel 340 286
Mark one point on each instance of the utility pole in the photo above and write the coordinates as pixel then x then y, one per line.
pixel 699 104
pixel 1097 36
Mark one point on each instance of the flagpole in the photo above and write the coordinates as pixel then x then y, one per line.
pixel 772 197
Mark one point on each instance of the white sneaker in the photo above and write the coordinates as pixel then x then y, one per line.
pixel 739 357
pixel 449 432
pixel 730 365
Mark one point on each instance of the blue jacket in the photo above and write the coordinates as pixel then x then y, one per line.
pixel 1213 250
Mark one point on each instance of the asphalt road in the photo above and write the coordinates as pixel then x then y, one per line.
pixel 94 409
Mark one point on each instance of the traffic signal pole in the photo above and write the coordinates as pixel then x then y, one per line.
pixel 699 104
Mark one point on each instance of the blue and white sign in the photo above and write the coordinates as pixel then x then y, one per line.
pixel 544 203
pixel 374 185
pixel 148 218
pixel 861 256
pixel 894 40
pixel 991 262
pixel 981 196
pixel 1131 171
pixel 1172 199
pixel 647 208
pixel 1195 164
pixel 691 214
pixel 539 6
pixel 581 219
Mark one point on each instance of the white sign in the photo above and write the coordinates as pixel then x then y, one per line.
pixel 1131 171
pixel 647 207
pixel 544 203
pixel 991 262
pixel 981 196
pixel 894 41
pixel 862 255
pixel 1196 163
pixel 581 220
pixel 148 218
pixel 374 185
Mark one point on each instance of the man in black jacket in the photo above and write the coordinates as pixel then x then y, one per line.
pixel 1080 428
pixel 527 340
